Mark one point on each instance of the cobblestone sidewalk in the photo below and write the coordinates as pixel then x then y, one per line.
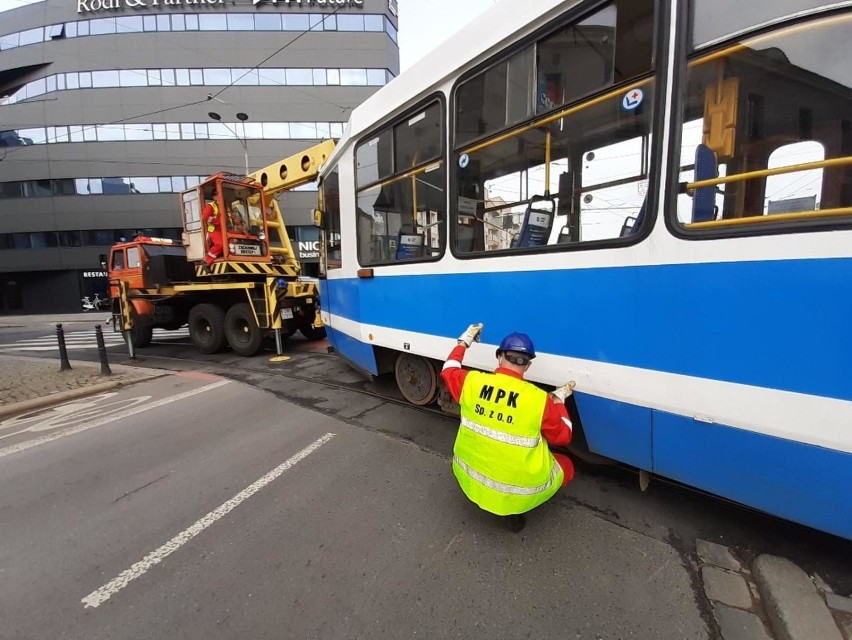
pixel 24 379
pixel 770 598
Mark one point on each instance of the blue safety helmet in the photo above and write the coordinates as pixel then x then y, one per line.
pixel 519 343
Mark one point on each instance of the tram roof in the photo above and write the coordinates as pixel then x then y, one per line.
pixel 486 34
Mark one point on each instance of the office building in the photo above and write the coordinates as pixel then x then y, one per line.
pixel 110 108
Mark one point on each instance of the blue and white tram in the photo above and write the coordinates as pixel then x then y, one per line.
pixel 660 194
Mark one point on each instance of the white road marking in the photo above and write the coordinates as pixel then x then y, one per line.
pixel 77 340
pixel 69 414
pixel 98 597
pixel 29 444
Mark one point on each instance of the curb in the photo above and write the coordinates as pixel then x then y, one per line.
pixel 64 396
pixel 796 610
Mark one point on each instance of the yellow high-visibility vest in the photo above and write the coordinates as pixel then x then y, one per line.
pixel 500 459
pixel 213 222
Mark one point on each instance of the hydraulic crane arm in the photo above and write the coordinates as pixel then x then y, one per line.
pixel 285 175
pixel 294 171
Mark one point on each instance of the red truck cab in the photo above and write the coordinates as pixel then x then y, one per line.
pixel 147 263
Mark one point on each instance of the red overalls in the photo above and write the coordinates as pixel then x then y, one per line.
pixel 210 218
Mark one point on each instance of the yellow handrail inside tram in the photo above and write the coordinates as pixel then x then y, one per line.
pixel 767 219
pixel 792 168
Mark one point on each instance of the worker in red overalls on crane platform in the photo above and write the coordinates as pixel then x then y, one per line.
pixel 210 219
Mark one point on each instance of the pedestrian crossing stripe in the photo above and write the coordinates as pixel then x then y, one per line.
pixel 79 340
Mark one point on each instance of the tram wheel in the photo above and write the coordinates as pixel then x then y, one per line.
pixel 416 378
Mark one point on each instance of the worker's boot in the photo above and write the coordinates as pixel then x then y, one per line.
pixel 515 523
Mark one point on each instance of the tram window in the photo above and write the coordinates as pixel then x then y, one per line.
pixel 576 60
pixel 613 189
pixel 500 96
pixel 776 103
pixel 593 188
pixel 401 207
pixel 712 19
pixel 611 46
pixel 800 191
pixel 374 159
pixel 418 139
pixel 402 220
pixel 330 206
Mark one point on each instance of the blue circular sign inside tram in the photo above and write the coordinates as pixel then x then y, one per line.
pixel 632 99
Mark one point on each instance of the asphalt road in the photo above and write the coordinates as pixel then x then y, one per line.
pixel 191 507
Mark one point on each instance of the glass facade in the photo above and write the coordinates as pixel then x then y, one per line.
pixel 171 131
pixel 111 186
pixel 78 238
pixel 200 22
pixel 266 77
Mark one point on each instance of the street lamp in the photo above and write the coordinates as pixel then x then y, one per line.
pixel 242 117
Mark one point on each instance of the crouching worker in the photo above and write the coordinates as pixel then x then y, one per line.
pixel 501 458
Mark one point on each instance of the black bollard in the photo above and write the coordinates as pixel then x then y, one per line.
pixel 102 354
pixel 64 365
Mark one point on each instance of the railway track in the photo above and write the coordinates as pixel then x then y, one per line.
pixel 312 380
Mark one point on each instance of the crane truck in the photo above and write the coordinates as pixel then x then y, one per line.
pixel 252 290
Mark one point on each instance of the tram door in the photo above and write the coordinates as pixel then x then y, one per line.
pixel 328 219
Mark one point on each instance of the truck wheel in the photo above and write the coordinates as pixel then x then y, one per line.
pixel 241 330
pixel 311 333
pixel 207 327
pixel 142 333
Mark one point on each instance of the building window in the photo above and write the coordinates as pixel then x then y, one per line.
pixel 350 22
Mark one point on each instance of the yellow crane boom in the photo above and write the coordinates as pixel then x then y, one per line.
pixel 284 175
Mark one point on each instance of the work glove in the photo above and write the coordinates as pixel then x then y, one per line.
pixel 471 335
pixel 564 391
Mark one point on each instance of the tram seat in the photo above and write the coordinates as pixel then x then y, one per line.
pixel 628 229
pixel 536 225
pixel 409 244
pixel 704 198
